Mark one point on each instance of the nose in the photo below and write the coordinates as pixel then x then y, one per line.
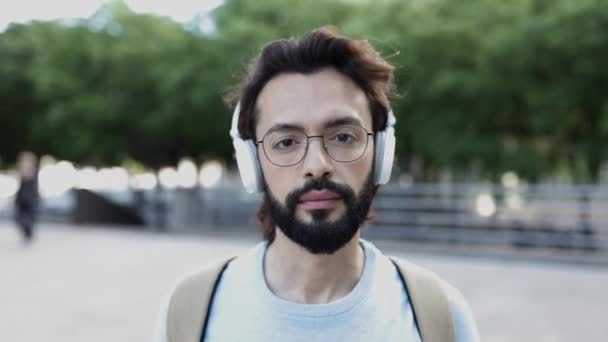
pixel 317 163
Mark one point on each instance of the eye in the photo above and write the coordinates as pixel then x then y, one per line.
pixel 285 144
pixel 343 138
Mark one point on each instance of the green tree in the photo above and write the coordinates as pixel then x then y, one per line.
pixel 493 85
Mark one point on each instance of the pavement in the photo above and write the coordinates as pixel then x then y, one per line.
pixel 96 283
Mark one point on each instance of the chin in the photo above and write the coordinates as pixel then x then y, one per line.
pixel 327 216
pixel 331 213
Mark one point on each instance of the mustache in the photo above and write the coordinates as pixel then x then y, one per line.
pixel 344 191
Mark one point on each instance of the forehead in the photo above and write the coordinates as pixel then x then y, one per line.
pixel 311 101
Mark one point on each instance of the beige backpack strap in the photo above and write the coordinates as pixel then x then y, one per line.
pixel 429 302
pixel 190 302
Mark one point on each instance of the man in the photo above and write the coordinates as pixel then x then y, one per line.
pixel 27 198
pixel 313 131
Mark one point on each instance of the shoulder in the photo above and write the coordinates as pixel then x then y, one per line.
pixel 203 276
pixel 184 307
pixel 465 327
pixel 215 277
pixel 227 267
pixel 462 315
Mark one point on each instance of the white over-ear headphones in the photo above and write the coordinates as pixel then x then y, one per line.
pixel 249 165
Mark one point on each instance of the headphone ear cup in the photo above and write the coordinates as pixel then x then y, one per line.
pixel 380 137
pixel 384 155
pixel 248 163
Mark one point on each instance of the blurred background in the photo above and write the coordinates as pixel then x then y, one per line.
pixel 500 181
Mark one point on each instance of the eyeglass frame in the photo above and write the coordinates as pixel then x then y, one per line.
pixel 308 137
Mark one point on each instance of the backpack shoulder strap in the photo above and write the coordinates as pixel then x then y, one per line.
pixel 429 301
pixel 190 303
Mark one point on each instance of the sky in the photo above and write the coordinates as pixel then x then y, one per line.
pixel 22 11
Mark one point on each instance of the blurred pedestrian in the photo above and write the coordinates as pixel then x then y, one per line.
pixel 27 198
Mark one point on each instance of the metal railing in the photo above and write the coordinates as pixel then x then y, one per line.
pixel 562 216
pixel 545 215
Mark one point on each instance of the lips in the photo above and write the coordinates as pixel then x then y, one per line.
pixel 316 200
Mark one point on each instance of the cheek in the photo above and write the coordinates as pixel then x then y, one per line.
pixel 277 180
pixel 359 171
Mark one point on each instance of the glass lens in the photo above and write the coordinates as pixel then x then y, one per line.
pixel 345 143
pixel 285 147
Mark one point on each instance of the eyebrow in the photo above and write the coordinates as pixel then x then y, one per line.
pixel 347 120
pixel 280 126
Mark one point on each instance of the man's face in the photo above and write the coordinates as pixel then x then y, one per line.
pixel 319 202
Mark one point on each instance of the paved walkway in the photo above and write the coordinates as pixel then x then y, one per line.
pixel 93 284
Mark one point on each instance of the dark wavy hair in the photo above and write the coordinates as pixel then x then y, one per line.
pixel 313 51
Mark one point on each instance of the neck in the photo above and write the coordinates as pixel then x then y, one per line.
pixel 294 274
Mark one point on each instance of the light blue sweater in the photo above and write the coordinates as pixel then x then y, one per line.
pixel 377 309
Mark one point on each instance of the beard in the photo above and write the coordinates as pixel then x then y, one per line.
pixel 321 236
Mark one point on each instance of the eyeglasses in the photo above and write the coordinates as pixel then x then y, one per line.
pixel 287 147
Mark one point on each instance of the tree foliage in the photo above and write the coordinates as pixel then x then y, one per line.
pixel 493 85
